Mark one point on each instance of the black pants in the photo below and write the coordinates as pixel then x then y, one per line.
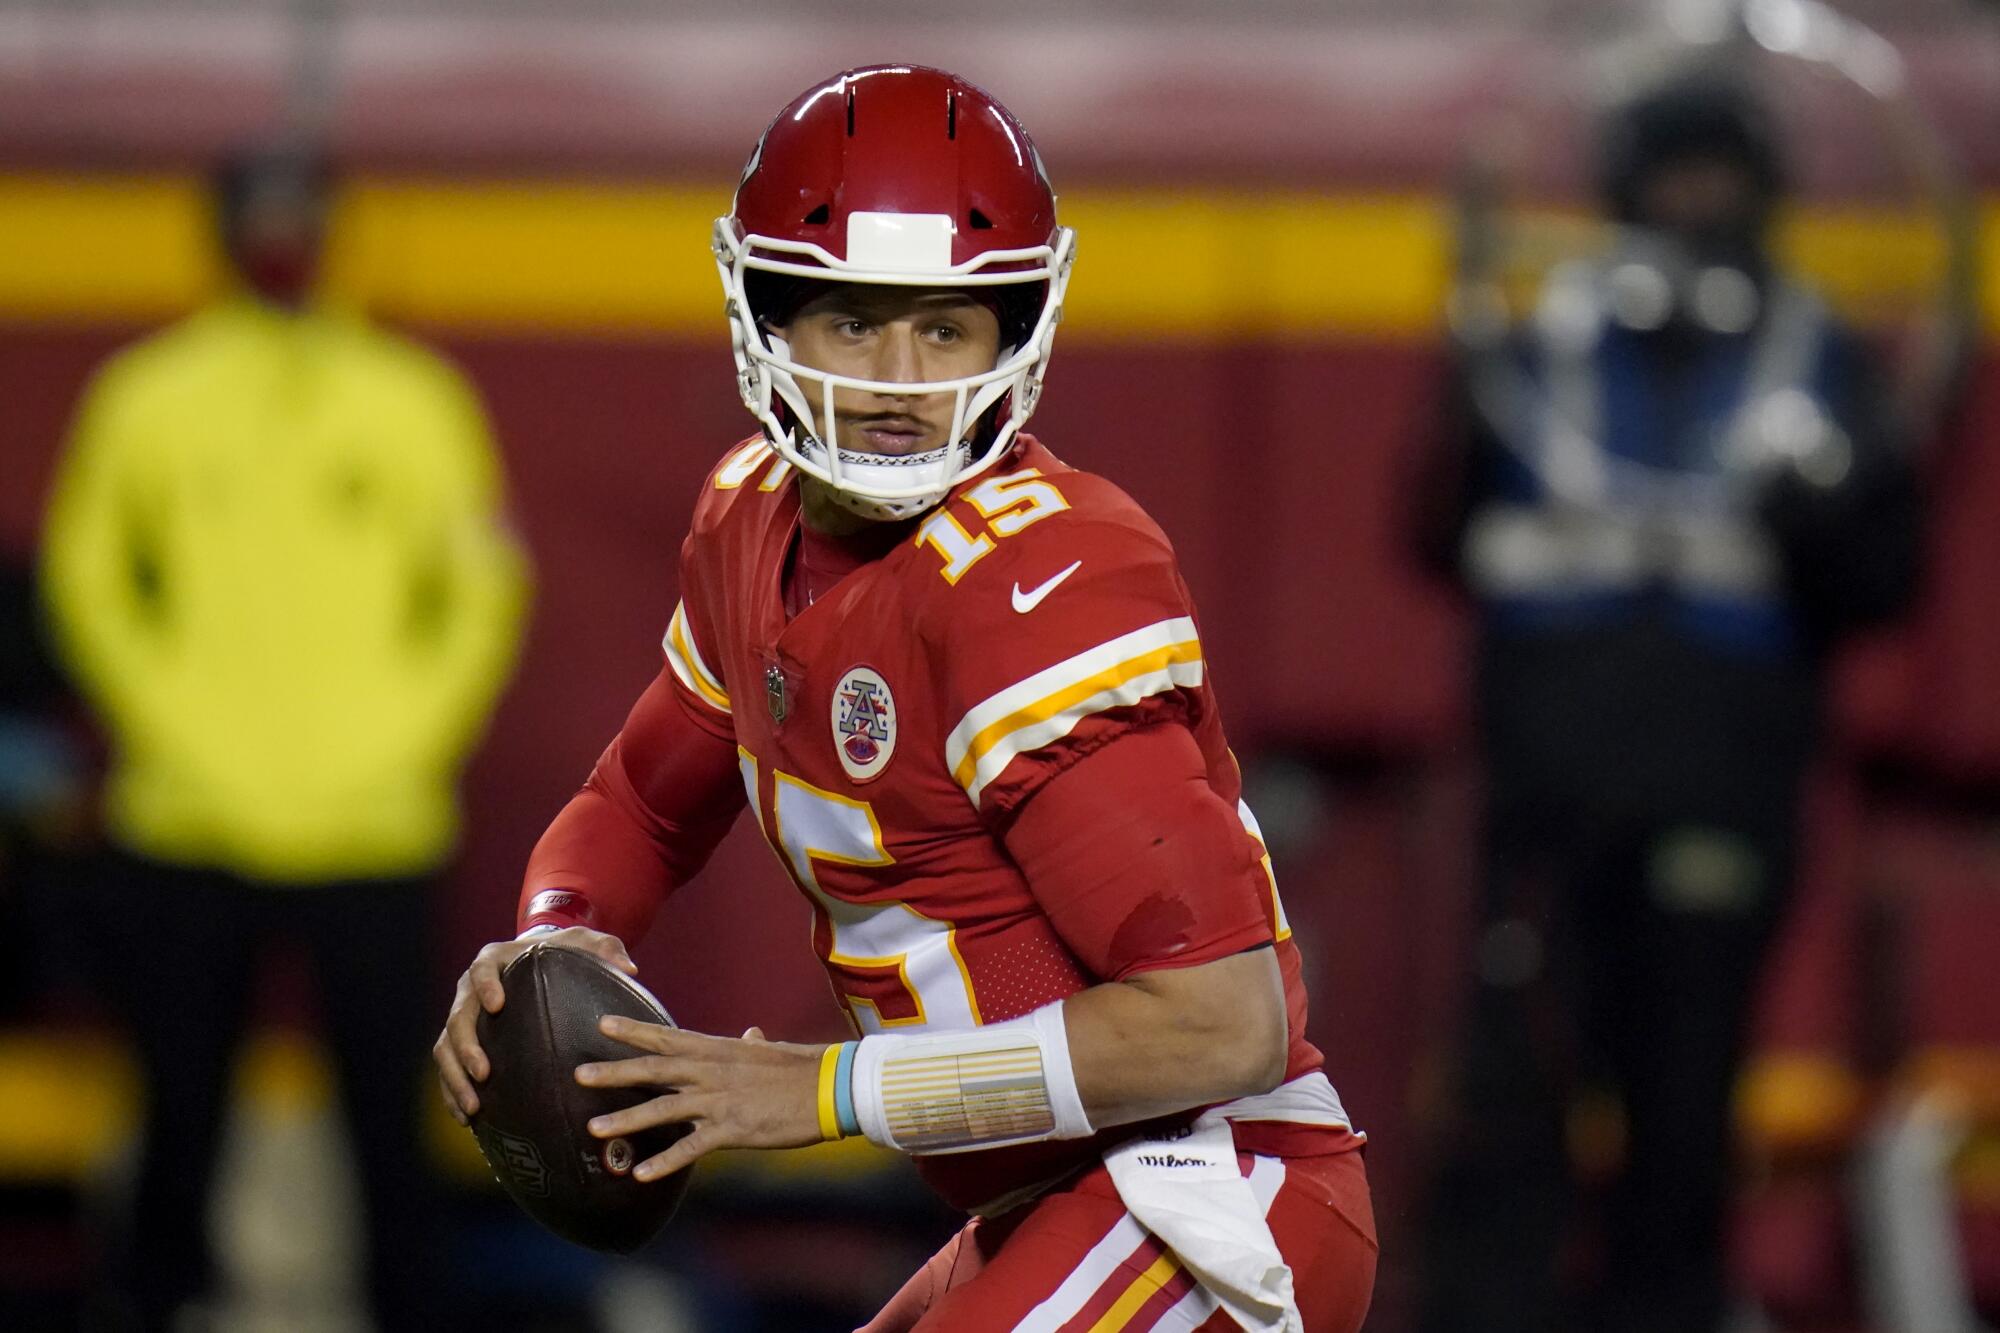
pixel 1627 957
pixel 178 950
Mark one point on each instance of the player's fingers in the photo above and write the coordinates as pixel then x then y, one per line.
pixel 461 1036
pixel 472 1059
pixel 679 1157
pixel 649 1036
pixel 753 1034
pixel 458 1091
pixel 606 948
pixel 484 979
pixel 451 1100
pixel 641 1071
pixel 612 950
pixel 667 1109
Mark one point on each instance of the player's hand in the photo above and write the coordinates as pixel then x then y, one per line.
pixel 460 1062
pixel 731 1093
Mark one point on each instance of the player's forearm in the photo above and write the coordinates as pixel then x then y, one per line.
pixel 594 867
pixel 1164 1041
pixel 1153 1044
pixel 661 796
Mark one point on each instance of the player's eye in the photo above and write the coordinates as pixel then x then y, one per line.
pixel 946 333
pixel 852 328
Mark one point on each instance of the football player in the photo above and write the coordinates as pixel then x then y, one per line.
pixel 960 687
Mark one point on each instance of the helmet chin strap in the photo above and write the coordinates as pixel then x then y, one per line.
pixel 885 468
pixel 878 511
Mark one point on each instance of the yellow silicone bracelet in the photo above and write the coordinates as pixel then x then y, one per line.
pixel 829 1118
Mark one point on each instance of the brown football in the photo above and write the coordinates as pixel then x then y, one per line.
pixel 533 1116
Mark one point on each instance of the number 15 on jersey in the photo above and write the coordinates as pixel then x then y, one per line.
pixel 893 966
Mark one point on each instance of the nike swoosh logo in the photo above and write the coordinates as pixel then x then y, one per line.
pixel 1025 602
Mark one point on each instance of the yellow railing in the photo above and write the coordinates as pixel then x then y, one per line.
pixel 567 257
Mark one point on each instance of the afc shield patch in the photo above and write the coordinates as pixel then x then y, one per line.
pixel 864 723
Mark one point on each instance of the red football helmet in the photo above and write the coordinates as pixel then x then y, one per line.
pixel 902 175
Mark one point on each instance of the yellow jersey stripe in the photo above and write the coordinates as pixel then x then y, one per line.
pixel 694 657
pixel 1050 719
pixel 1048 704
pixel 687 664
pixel 1090 687
pixel 1060 675
pixel 1281 925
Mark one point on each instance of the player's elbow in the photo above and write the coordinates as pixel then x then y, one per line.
pixel 1254 1043
pixel 1263 1042
pixel 1216 1031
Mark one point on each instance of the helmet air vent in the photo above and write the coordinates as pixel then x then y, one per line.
pixel 850 108
pixel 819 217
pixel 951 114
pixel 979 221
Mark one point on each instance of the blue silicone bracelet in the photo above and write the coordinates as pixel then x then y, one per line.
pixel 843 1089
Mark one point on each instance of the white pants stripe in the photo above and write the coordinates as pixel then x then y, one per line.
pixel 1098 1264
pixel 1267 1177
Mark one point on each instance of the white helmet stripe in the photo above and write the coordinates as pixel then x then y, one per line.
pixel 904 242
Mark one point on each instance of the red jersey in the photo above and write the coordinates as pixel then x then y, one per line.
pixel 887 733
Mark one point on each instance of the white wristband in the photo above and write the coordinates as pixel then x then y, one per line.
pixel 948 1092
pixel 545 928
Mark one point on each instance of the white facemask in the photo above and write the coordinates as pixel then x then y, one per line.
pixel 877 485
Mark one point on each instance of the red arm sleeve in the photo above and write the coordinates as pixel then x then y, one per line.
pixel 659 800
pixel 1137 860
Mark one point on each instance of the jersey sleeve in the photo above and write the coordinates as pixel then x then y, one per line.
pixel 1138 862
pixel 659 799
pixel 1072 639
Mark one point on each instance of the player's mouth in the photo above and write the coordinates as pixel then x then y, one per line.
pixel 888 433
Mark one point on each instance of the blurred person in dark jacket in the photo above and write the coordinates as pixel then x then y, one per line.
pixel 42 786
pixel 275 562
pixel 1670 494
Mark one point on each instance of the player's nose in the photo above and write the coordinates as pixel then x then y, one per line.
pixel 897 356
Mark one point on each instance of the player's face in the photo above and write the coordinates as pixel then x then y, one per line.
pixel 276 237
pixel 900 335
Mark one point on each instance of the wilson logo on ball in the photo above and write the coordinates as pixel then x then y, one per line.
pixel 864 723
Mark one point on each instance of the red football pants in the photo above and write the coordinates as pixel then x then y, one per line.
pixel 1074 1261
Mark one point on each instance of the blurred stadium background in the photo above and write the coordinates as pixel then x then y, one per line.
pixel 1261 193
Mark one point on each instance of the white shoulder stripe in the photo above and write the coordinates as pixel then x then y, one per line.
pixel 1048 705
pixel 685 659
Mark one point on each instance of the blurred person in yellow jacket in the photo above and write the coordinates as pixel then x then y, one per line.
pixel 276 565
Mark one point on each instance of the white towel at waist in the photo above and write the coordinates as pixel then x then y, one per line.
pixel 1186 1189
